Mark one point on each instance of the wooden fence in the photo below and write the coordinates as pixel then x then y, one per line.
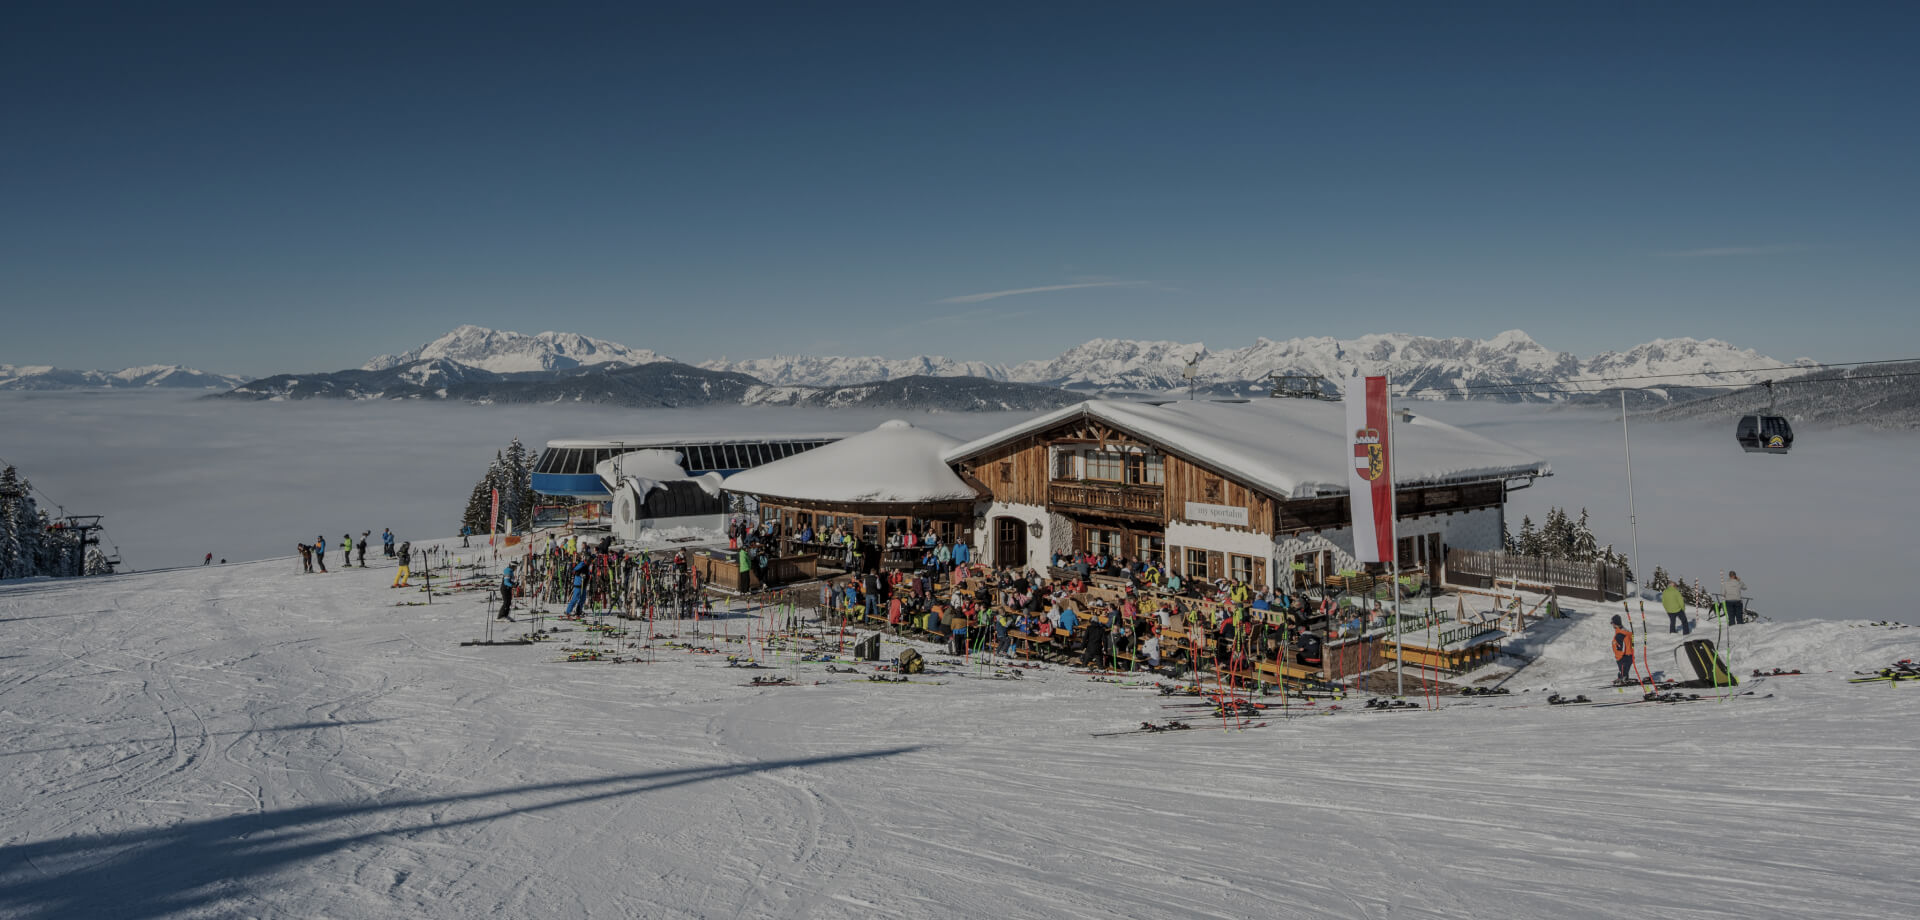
pixel 1592 581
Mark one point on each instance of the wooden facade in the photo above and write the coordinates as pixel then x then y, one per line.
pixel 1126 511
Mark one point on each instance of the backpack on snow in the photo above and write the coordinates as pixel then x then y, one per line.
pixel 911 662
pixel 1708 669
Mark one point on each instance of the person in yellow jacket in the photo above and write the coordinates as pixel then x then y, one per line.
pixel 1675 604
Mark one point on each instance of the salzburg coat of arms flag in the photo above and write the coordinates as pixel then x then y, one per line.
pixel 1370 468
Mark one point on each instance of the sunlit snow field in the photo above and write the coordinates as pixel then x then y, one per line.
pixel 1815 534
pixel 249 741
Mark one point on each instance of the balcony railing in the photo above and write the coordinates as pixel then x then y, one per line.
pixel 1131 501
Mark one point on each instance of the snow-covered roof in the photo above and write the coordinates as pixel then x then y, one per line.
pixel 895 462
pixel 1292 448
pixel 647 470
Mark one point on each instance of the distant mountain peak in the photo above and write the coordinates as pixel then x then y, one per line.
pixel 505 352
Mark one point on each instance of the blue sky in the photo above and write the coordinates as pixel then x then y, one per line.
pixel 256 190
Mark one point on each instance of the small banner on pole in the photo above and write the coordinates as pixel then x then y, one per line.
pixel 1370 473
pixel 493 523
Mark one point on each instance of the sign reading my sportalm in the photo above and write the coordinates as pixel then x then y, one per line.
pixel 1217 514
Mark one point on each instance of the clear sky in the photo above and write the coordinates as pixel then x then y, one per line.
pixel 255 188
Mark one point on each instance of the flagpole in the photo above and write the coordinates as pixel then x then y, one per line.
pixel 1393 518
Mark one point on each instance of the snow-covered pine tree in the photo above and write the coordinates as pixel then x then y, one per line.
pixel 1586 547
pixel 517 498
pixel 1529 542
pixel 1660 579
pixel 22 529
pixel 479 515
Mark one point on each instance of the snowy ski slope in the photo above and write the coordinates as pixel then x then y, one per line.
pixel 247 741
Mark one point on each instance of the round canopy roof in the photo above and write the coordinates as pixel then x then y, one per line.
pixel 895 463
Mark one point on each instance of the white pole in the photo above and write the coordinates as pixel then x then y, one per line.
pixel 1393 504
pixel 1633 520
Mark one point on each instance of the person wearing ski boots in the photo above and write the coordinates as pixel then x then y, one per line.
pixel 1622 649
pixel 509 581
pixel 406 561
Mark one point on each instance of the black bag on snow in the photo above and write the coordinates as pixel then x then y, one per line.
pixel 1708 669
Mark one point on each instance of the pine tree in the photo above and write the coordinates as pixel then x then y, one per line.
pixel 1660 579
pixel 517 498
pixel 22 529
pixel 1586 547
pixel 1529 542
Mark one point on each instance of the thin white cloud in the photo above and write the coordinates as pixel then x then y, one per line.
pixel 995 295
pixel 1716 252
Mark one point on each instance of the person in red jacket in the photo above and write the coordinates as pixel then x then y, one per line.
pixel 1622 649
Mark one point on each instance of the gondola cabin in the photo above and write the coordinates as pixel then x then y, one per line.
pixel 1764 434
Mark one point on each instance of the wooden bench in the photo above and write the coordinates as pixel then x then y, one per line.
pixel 1440 659
pixel 1290 671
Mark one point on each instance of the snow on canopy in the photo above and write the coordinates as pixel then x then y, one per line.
pixel 647 470
pixel 1292 448
pixel 895 462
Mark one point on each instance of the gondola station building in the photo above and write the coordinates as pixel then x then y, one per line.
pixel 1254 491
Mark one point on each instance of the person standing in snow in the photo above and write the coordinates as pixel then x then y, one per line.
pixel 1622 649
pixel 1735 591
pixel 306 559
pixel 578 604
pixel 346 550
pixel 363 547
pixel 320 553
pixel 465 531
pixel 208 560
pixel 406 559
pixel 386 538
pixel 1675 604
pixel 509 582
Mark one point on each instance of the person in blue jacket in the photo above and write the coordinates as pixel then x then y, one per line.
pixel 509 582
pixel 579 602
pixel 386 537
pixel 320 553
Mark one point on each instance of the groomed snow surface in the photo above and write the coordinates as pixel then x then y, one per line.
pixel 247 741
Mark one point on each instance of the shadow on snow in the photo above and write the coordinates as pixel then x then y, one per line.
pixel 162 871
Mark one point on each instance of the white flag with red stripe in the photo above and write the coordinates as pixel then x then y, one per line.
pixel 1370 468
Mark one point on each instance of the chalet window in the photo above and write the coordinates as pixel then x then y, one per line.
pixel 1103 542
pixel 1197 564
pixel 1240 568
pixel 1151 549
pixel 1106 465
pixel 1145 469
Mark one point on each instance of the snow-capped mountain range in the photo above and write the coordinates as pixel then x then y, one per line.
pixel 1510 365
pixel 1429 367
pixel 515 352
pixel 152 376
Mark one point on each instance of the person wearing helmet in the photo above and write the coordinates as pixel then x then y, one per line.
pixel 509 581
pixel 320 553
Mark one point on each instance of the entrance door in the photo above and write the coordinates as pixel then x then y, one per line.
pixel 1010 541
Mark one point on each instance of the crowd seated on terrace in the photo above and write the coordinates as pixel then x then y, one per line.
pixel 1136 623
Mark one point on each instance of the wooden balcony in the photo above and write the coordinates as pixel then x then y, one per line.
pixel 1146 502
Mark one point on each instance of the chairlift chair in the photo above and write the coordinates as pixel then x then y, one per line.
pixel 1764 433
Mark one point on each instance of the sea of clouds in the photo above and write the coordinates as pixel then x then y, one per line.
pixel 1815 534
